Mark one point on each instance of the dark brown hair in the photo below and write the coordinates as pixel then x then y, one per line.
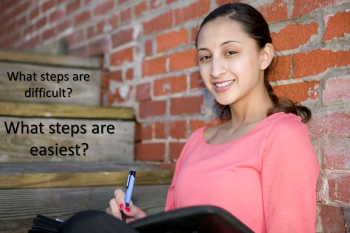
pixel 254 24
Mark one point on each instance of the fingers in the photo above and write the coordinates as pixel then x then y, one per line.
pixel 120 197
pixel 134 211
pixel 114 209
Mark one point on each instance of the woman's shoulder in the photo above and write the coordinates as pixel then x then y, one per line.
pixel 286 123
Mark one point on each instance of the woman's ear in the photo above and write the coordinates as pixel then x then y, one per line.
pixel 266 56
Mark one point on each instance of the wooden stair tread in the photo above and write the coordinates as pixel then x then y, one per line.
pixel 50 59
pixel 55 175
pixel 64 111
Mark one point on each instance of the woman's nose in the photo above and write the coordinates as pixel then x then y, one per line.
pixel 217 68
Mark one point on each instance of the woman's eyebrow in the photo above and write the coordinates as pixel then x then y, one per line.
pixel 223 43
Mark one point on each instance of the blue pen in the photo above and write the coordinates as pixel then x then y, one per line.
pixel 129 188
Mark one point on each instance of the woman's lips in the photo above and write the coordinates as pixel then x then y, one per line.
pixel 223 86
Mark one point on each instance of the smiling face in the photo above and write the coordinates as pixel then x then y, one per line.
pixel 230 62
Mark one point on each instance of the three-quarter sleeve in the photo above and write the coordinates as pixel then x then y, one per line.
pixel 289 176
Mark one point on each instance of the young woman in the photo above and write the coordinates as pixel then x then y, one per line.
pixel 259 165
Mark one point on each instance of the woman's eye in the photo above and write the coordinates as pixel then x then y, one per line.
pixel 204 58
pixel 230 52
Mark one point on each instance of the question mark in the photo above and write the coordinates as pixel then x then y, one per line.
pixel 87 146
pixel 70 91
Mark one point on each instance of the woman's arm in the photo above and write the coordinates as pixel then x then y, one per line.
pixel 289 176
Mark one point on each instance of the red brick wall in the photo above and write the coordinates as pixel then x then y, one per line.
pixel 150 64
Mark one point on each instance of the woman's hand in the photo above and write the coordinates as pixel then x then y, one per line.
pixel 117 207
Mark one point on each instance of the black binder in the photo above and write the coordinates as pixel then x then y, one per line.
pixel 199 219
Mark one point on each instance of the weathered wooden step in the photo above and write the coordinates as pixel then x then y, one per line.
pixel 57 175
pixel 81 93
pixel 64 111
pixel 115 145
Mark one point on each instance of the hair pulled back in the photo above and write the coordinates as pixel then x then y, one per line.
pixel 254 24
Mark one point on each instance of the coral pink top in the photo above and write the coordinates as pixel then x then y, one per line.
pixel 267 178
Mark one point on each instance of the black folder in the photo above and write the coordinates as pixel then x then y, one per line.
pixel 198 219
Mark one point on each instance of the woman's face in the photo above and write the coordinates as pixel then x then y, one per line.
pixel 229 61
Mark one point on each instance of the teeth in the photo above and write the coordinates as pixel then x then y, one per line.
pixel 223 84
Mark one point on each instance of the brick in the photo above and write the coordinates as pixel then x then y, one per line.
pixel 41 22
pixel 194 32
pixel 56 15
pixel 158 23
pixel 125 55
pixel 115 76
pixel 171 40
pixel 98 47
pixel 140 8
pixel 302 7
pixel 293 36
pixel 78 36
pixel 20 22
pixel 82 18
pixel 339 186
pixel 337 25
pixel 183 60
pixel 186 105
pixel 129 75
pixel 48 33
pixel 150 151
pixel 79 51
pixel 175 149
pixel 337 89
pixel 152 108
pixel 122 1
pixel 63 26
pixel 34 13
pixel 321 191
pixel 280 68
pixel 154 66
pixel 168 2
pixel 171 85
pixel 193 11
pixel 298 92
pixel 48 5
pixel 104 80
pixel 275 11
pixel 103 8
pixel 73 6
pixel 20 9
pixel 196 81
pixel 178 129
pixel 146 132
pixel 148 48
pixel 125 15
pixel 336 153
pixel 159 130
pixel 334 123
pixel 30 43
pixel 332 219
pixel 90 32
pixel 223 2
pixel 317 61
pixel 99 27
pixel 113 21
pixel 138 132
pixel 143 92
pixel 122 37
pixel 196 124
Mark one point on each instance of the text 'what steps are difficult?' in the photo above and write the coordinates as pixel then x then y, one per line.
pixel 41 92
